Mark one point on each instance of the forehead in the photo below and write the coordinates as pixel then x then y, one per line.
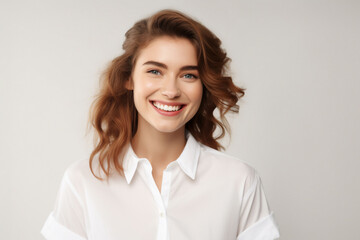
pixel 172 51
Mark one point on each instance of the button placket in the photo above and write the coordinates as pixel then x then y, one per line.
pixel 147 175
pixel 152 185
pixel 165 187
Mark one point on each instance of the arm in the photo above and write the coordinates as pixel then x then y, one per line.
pixel 67 221
pixel 256 220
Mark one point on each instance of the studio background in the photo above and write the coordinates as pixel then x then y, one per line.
pixel 298 123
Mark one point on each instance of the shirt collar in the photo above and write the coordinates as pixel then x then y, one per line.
pixel 188 159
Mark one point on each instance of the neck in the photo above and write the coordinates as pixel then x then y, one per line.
pixel 158 147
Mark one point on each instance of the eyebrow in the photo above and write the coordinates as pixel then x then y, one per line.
pixel 162 65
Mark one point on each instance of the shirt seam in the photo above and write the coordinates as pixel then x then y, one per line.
pixel 252 187
pixel 73 190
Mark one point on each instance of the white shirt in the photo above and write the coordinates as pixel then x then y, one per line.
pixel 205 194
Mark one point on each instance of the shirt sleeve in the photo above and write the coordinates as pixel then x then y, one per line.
pixel 256 220
pixel 67 221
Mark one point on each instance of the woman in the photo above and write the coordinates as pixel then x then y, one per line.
pixel 156 172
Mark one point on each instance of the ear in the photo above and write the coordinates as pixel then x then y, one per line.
pixel 129 84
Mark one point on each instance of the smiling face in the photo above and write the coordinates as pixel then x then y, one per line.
pixel 166 85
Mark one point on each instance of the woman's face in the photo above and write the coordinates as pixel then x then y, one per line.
pixel 166 84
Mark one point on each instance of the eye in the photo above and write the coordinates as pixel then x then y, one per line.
pixel 153 71
pixel 190 76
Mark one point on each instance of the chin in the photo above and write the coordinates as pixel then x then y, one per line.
pixel 168 129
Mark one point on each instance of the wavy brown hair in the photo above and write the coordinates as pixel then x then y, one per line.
pixel 113 114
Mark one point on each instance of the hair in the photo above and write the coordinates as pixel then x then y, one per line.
pixel 113 113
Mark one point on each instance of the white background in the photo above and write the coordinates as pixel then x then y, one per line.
pixel 298 123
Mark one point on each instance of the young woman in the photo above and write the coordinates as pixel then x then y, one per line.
pixel 156 172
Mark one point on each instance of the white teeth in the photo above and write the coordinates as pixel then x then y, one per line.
pixel 166 107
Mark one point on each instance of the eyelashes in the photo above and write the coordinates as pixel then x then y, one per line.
pixel 190 76
pixel 186 75
pixel 155 72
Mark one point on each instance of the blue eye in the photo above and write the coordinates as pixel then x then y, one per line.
pixel 190 76
pixel 156 72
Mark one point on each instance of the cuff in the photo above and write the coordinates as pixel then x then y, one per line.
pixel 264 229
pixel 52 230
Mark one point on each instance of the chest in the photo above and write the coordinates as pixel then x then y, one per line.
pixel 182 209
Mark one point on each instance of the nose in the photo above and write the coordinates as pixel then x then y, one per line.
pixel 170 88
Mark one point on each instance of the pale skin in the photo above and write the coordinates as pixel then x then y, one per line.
pixel 165 73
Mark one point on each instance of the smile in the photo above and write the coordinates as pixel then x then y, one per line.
pixel 167 108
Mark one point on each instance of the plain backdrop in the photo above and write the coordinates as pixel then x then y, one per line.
pixel 298 123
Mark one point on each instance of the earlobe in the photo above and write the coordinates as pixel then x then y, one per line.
pixel 129 84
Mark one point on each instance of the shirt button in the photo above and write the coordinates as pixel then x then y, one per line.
pixel 162 214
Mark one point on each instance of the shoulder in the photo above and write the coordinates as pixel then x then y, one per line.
pixel 77 168
pixel 79 173
pixel 226 165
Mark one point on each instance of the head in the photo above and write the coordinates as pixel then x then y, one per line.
pixel 166 86
pixel 114 114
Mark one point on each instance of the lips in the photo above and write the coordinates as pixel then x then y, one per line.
pixel 167 107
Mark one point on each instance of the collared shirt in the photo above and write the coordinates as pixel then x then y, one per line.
pixel 205 194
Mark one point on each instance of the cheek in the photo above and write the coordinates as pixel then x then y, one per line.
pixel 144 85
pixel 143 88
pixel 195 93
